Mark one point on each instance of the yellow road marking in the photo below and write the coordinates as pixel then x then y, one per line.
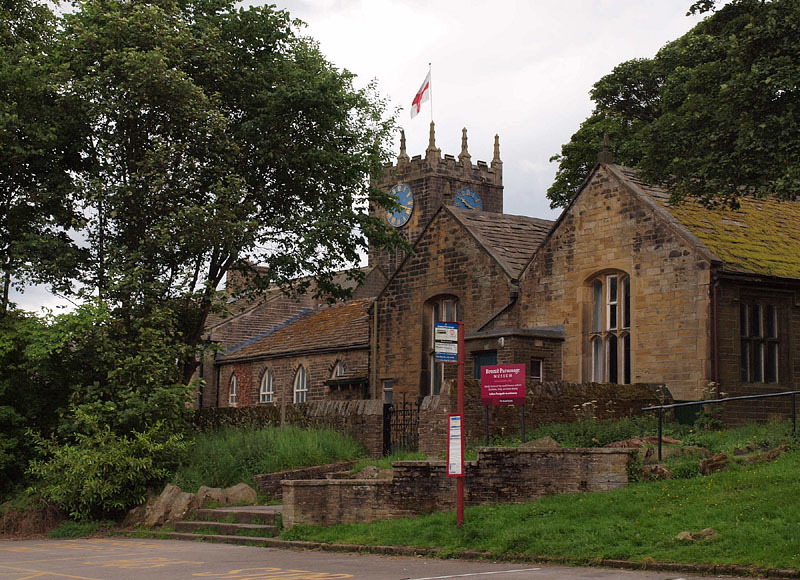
pixel 40 573
pixel 142 563
pixel 44 560
pixel 273 574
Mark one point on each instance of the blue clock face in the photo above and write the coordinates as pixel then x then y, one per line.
pixel 402 194
pixel 467 198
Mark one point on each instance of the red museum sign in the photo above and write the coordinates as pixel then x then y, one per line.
pixel 503 385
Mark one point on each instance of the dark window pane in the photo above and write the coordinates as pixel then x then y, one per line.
pixel 626 359
pixel 743 320
pixel 612 316
pixel 612 288
pixel 745 361
pixel 771 364
pixel 536 369
pixel 758 363
pixel 613 361
pixel 770 321
pixel 755 320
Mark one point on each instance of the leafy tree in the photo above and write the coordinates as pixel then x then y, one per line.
pixel 716 114
pixel 208 136
pixel 36 153
pixel 214 136
pixel 44 360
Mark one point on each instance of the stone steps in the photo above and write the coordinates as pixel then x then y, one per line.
pixel 225 528
pixel 219 538
pixel 256 514
pixel 232 525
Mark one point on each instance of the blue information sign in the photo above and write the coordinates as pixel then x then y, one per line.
pixel 445 342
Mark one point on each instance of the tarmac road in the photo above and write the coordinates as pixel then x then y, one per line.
pixel 145 559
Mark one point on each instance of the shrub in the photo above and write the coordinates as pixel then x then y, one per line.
pixel 103 473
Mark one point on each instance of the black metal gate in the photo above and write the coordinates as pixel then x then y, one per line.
pixel 400 427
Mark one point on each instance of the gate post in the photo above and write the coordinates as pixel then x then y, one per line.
pixel 387 428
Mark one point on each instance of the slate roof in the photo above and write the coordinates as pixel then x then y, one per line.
pixel 238 305
pixel 761 237
pixel 510 239
pixel 340 326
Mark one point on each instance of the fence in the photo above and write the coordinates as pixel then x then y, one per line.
pixel 662 408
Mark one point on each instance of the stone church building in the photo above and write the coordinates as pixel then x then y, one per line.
pixel 622 288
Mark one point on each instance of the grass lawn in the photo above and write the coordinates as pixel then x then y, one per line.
pixel 755 510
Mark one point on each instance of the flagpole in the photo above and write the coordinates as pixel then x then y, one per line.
pixel 431 89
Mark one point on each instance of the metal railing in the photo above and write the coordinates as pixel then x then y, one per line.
pixel 661 408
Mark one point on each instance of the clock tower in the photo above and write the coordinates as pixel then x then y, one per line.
pixel 421 185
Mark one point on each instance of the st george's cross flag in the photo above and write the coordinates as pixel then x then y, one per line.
pixel 423 95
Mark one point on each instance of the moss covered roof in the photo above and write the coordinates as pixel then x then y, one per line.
pixel 761 237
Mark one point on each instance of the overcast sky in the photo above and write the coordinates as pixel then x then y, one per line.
pixel 520 69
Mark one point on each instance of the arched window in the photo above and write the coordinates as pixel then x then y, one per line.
pixel 609 337
pixel 338 370
pixel 267 392
pixel 233 391
pixel 438 309
pixel 301 385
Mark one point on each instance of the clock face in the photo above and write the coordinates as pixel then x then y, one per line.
pixel 467 198
pixel 402 194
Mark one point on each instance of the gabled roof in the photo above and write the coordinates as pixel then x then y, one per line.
pixel 248 301
pixel 338 327
pixel 510 239
pixel 761 237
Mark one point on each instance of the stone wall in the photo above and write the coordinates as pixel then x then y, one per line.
pixel 499 475
pixel 318 368
pixel 608 229
pixel 731 295
pixel 447 262
pixel 270 483
pixel 547 402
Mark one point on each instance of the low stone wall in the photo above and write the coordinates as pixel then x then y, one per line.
pixel 500 475
pixel 270 483
pixel 548 402
pixel 362 419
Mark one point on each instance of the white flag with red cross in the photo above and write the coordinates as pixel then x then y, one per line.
pixel 423 95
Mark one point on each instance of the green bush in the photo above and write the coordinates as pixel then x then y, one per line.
pixel 102 473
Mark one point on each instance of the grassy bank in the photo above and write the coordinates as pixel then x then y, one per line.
pixel 754 509
pixel 229 456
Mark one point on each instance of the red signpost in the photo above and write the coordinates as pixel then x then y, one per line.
pixel 460 480
pixel 443 339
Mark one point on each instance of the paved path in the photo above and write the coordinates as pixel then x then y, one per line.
pixel 134 559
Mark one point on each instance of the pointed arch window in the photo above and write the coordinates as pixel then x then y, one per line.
pixel 267 391
pixel 610 330
pixel 233 392
pixel 338 370
pixel 301 385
